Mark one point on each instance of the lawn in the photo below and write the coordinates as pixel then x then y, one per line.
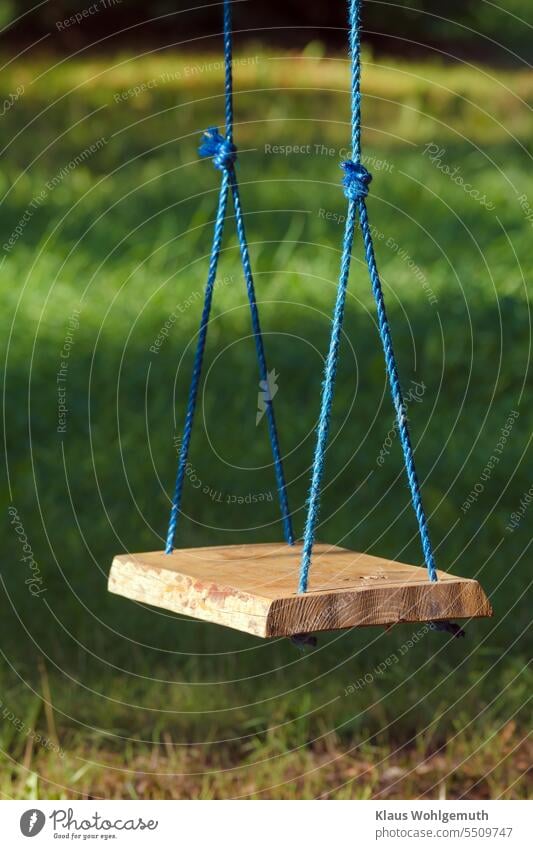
pixel 106 222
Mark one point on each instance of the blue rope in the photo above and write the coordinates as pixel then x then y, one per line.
pixel 356 182
pixel 354 44
pixel 228 69
pixel 261 358
pixel 328 386
pixel 396 392
pixel 198 361
pixel 223 153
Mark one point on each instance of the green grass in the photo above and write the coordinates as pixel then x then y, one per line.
pixel 123 238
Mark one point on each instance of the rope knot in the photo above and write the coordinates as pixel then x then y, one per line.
pixel 356 180
pixel 221 150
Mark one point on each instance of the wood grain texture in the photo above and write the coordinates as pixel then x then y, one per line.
pixel 253 588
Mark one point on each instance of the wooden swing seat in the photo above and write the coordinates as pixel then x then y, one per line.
pixel 253 588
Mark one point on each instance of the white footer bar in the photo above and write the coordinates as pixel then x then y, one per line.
pixel 266 825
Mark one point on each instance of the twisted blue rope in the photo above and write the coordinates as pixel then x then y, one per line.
pixel 330 373
pixel 356 182
pixel 198 361
pixel 396 392
pixel 223 153
pixel 261 359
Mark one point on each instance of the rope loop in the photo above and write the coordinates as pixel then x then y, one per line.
pixel 356 180
pixel 222 151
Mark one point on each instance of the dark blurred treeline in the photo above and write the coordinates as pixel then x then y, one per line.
pixel 478 29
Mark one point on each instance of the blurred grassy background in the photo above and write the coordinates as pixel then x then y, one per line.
pixel 117 243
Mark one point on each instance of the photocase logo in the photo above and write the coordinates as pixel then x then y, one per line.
pixel 32 822
pixel 267 390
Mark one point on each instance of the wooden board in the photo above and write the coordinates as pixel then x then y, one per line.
pixel 254 588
